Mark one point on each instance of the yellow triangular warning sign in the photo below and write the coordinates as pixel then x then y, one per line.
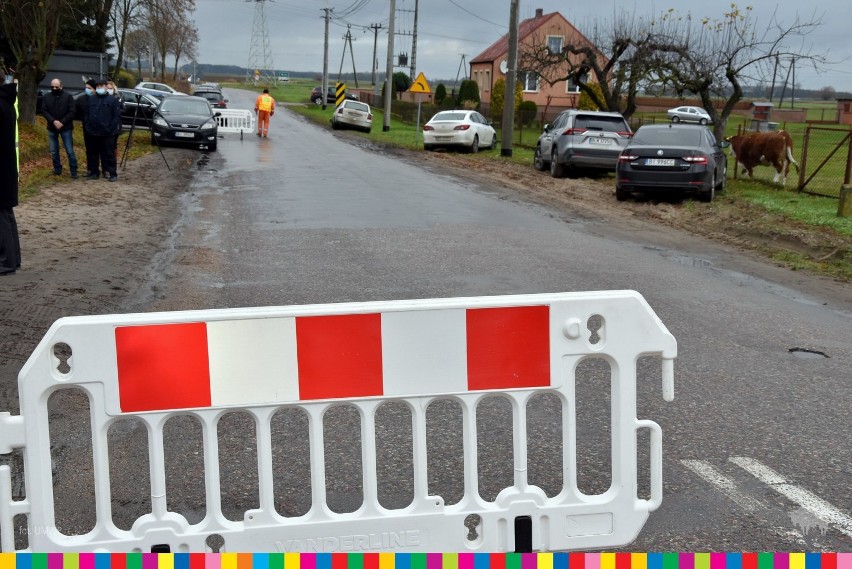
pixel 420 85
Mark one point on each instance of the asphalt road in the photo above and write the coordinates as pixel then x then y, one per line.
pixel 757 452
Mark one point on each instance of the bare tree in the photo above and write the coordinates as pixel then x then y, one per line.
pixel 163 21
pixel 125 16
pixel 31 28
pixel 184 43
pixel 714 58
pixel 138 45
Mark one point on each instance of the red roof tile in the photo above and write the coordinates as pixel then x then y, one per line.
pixel 501 46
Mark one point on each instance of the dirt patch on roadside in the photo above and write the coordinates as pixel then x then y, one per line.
pixel 85 247
pixel 734 223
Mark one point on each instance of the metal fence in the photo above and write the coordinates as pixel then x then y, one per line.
pixel 826 160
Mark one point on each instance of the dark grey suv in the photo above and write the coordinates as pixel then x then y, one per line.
pixel 578 140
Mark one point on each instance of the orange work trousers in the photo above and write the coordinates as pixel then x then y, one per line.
pixel 263 122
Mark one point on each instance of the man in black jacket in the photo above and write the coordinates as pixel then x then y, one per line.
pixel 82 103
pixel 10 245
pixel 102 120
pixel 59 110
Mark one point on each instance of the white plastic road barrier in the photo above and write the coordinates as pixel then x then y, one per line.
pixel 205 364
pixel 235 120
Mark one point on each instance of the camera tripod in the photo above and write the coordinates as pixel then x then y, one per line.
pixel 130 137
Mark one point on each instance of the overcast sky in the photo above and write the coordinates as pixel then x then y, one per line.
pixel 448 29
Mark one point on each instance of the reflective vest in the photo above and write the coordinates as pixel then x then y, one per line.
pixel 265 103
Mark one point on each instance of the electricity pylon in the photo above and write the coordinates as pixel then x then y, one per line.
pixel 260 66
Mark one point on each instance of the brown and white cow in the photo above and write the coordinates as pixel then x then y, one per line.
pixel 765 149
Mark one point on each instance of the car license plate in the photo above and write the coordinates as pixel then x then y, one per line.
pixel 185 134
pixel 600 140
pixel 443 138
pixel 660 162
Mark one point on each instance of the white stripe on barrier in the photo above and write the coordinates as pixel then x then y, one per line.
pixel 458 349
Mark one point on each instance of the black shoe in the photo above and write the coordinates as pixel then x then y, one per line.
pixel 55 173
pixel 113 178
pixel 93 176
pixel 73 175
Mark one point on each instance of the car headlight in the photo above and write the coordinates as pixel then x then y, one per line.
pixel 159 121
pixel 209 124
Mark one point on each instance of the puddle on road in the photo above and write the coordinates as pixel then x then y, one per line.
pixel 806 354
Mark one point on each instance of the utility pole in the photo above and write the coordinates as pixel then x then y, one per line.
pixel 509 97
pixel 389 70
pixel 343 55
pixel 414 43
pixel 352 55
pixel 375 28
pixel 324 94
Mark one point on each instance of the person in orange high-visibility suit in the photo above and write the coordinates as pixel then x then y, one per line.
pixel 264 107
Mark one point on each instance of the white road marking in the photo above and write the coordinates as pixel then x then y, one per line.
pixel 725 484
pixel 809 501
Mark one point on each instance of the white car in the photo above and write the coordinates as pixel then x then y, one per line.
pixel 689 114
pixel 352 113
pixel 159 90
pixel 466 129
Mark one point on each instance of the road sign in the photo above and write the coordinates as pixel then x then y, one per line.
pixel 420 85
pixel 340 93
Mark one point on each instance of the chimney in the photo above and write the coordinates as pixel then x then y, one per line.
pixel 539 12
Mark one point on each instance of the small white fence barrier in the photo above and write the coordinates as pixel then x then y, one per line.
pixel 204 365
pixel 235 120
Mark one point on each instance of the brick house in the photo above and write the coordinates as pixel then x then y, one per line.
pixel 551 30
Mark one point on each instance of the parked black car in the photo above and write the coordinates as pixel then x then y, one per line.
pixel 137 106
pixel 673 158
pixel 185 120
pixel 331 96
pixel 213 96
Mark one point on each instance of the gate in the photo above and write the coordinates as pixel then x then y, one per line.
pixel 826 161
pixel 154 367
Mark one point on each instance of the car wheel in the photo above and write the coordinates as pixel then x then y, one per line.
pixel 538 161
pixel 493 141
pixel 675 119
pixel 721 186
pixel 557 170
pixel 153 139
pixel 368 130
pixel 474 146
pixel 702 121
pixel 211 147
pixel 708 194
pixel 334 124
pixel 317 101
pixel 621 194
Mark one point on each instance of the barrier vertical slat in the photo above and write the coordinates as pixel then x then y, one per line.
pixel 370 480
pixel 212 481
pixel 316 436
pixel 471 458
pixel 100 458
pixel 418 431
pixel 569 429
pixel 156 454
pixel 263 419
pixel 519 432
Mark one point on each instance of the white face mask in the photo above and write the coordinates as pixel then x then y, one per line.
pixel 110 91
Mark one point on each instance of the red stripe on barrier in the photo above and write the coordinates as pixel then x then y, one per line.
pixel 339 356
pixel 508 347
pixel 162 367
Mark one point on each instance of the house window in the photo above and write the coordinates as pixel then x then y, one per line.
pixel 572 86
pixel 554 44
pixel 487 85
pixel 529 79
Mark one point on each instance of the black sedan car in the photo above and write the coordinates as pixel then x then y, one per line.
pixel 331 95
pixel 137 107
pixel 213 96
pixel 185 120
pixel 672 158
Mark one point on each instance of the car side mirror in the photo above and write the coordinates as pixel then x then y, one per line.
pixel 217 114
pixel 546 128
pixel 724 144
pixel 226 100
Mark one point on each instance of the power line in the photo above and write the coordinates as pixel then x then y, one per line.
pixel 475 15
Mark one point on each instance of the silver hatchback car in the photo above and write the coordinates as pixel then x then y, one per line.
pixel 578 140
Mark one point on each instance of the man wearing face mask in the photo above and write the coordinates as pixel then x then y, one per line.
pixel 103 121
pixel 59 109
pixel 111 89
pixel 91 152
